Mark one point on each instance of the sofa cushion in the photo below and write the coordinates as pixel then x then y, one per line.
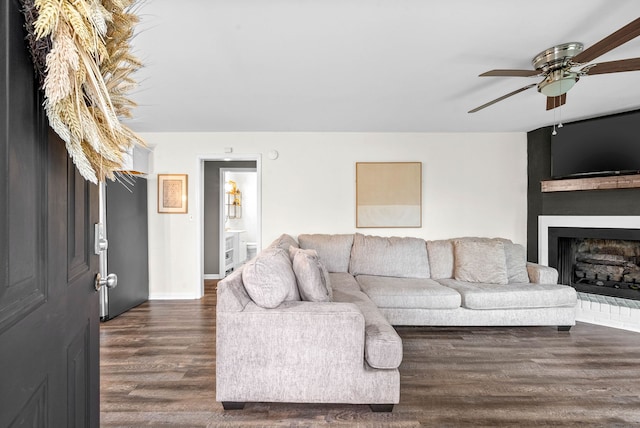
pixel 312 277
pixel 343 280
pixel 333 250
pixel 382 345
pixel 408 293
pixel 269 279
pixel 512 296
pixel 480 261
pixel 516 258
pixel 441 263
pixel 284 241
pixel 396 257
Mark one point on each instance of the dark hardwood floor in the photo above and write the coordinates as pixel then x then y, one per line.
pixel 158 369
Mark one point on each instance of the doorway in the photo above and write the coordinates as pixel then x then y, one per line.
pixel 246 172
pixel 238 218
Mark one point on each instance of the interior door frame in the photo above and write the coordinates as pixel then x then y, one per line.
pixel 228 157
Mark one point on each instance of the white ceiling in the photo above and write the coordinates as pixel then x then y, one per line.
pixel 367 65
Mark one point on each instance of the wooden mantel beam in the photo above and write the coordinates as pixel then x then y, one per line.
pixel 591 183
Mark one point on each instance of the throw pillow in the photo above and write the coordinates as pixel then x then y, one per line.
pixel 312 277
pixel 333 250
pixel 516 263
pixel 269 278
pixel 293 251
pixel 284 241
pixel 480 261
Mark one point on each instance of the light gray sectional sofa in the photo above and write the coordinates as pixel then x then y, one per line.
pixel 311 320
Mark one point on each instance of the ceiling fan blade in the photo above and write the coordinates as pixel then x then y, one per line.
pixel 612 41
pixel 511 73
pixel 517 91
pixel 631 64
pixel 553 102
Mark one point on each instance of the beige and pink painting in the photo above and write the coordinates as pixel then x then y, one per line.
pixel 388 194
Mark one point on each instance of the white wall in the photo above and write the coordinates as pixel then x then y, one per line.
pixel 473 184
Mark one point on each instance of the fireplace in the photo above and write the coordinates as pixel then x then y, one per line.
pixel 602 261
pixel 601 308
pixel 594 254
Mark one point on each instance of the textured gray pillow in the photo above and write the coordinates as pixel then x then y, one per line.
pixel 269 278
pixel 312 277
pixel 441 263
pixel 397 257
pixel 480 261
pixel 333 250
pixel 284 241
pixel 516 263
pixel 293 251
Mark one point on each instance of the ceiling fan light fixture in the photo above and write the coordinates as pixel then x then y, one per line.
pixel 557 83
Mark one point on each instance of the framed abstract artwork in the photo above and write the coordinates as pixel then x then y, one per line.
pixel 388 194
pixel 172 193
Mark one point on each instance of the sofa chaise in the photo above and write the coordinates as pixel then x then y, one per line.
pixel 312 320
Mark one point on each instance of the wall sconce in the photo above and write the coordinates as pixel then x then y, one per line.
pixel 234 200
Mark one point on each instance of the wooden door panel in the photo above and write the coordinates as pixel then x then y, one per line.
pixel 79 231
pixel 33 414
pixel 23 286
pixel 78 378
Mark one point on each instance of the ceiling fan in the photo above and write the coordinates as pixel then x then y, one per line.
pixel 556 65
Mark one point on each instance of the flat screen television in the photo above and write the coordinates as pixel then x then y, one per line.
pixel 597 147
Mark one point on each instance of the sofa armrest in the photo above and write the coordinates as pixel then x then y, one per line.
pixel 539 274
pixel 302 352
pixel 295 337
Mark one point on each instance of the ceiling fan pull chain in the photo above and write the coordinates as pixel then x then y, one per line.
pixel 560 125
pixel 554 117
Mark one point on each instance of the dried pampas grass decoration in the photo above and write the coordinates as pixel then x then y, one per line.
pixel 82 55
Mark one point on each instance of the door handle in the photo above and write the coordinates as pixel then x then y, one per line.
pixel 110 281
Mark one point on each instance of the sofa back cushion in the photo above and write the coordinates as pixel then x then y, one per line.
pixel 312 277
pixel 269 279
pixel 441 262
pixel 333 250
pixel 480 261
pixel 398 257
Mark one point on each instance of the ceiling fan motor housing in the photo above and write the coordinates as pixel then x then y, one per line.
pixel 556 57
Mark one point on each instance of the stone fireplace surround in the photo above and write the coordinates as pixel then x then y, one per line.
pixel 592 308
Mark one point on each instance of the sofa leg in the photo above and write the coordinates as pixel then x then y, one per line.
pixel 381 407
pixel 564 327
pixel 233 405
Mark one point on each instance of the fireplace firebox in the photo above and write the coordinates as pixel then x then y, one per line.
pixel 602 261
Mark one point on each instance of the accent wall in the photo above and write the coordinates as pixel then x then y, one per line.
pixel 473 184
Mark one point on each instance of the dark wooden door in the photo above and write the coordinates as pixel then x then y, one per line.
pixel 49 320
pixel 128 255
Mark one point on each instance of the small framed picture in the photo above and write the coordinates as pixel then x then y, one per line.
pixel 172 193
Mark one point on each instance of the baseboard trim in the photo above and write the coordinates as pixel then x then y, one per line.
pixel 211 276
